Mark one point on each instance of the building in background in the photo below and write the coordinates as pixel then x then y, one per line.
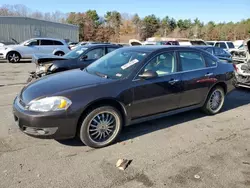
pixel 23 28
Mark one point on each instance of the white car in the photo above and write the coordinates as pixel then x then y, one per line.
pixel 226 45
pixel 26 49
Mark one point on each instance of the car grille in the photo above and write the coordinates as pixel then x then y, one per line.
pixel 1 53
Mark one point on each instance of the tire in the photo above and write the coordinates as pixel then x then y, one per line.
pixel 30 79
pixel 94 134
pixel 208 107
pixel 59 53
pixel 13 57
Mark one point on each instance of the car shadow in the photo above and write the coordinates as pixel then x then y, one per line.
pixel 237 98
pixel 21 62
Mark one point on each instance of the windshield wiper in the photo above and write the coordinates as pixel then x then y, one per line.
pixel 101 75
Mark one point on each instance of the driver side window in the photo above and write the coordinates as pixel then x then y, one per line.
pixel 95 54
pixel 162 64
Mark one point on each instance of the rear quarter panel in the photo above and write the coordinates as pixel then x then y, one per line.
pixel 225 74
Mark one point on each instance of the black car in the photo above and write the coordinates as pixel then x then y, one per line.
pixel 218 52
pixel 127 86
pixel 80 57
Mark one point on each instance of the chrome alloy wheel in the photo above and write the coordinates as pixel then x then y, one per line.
pixel 215 101
pixel 102 127
pixel 14 58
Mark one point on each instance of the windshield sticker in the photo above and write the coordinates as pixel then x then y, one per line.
pixel 118 75
pixel 129 64
pixel 79 51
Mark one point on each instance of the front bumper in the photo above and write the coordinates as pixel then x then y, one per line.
pixel 2 56
pixel 50 125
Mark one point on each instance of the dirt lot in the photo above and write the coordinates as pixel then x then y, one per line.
pixel 185 150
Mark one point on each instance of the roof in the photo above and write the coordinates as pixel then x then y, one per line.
pixel 152 48
pixel 23 17
pixel 44 38
pixel 95 45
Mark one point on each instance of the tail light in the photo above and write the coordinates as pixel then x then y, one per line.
pixel 235 68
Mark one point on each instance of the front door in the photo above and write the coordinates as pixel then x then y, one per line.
pixel 196 77
pixel 32 47
pixel 159 94
pixel 91 56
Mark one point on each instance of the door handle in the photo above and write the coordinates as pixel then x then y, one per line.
pixel 173 81
pixel 209 74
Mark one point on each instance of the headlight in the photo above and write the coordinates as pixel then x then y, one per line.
pixel 49 104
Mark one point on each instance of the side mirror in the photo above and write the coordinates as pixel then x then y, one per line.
pixel 27 44
pixel 148 74
pixel 84 57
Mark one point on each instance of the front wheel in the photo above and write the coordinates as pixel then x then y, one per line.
pixel 215 101
pixel 101 127
pixel 13 57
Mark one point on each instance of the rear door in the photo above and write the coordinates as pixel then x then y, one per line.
pixel 159 94
pixel 46 46
pixel 197 77
pixel 91 56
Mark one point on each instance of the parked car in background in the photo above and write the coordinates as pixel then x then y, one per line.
pixel 218 52
pixel 87 43
pixel 72 44
pixel 80 57
pixel 226 45
pixel 167 43
pixel 198 42
pixel 25 50
pixel 238 43
pixel 127 86
pixel 241 58
pixel 211 43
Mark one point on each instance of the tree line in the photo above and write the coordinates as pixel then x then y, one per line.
pixel 117 27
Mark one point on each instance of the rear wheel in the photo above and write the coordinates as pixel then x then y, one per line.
pixel 101 127
pixel 215 101
pixel 59 53
pixel 13 57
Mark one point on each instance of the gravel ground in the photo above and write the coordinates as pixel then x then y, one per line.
pixel 185 150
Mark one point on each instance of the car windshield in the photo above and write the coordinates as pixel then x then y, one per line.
pixel 117 64
pixel 24 42
pixel 230 45
pixel 75 53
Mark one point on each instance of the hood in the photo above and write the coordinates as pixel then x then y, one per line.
pixel 40 59
pixel 57 83
pixel 7 46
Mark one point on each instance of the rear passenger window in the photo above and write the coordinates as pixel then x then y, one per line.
pixel 57 42
pixel 191 61
pixel 223 45
pixel 47 42
pixel 210 62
